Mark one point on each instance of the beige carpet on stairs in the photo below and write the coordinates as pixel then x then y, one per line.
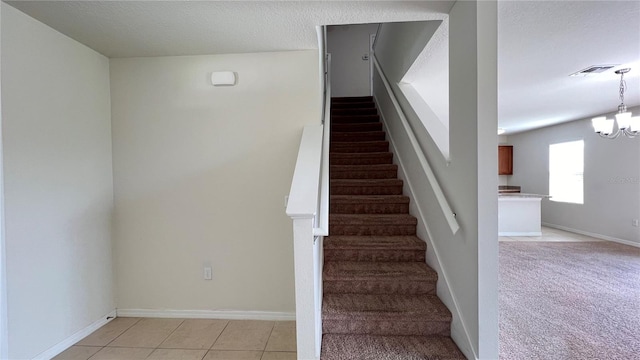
pixel 380 299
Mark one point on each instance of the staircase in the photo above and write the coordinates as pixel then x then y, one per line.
pixel 379 294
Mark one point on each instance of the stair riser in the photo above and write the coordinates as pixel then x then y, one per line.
pixel 378 287
pixel 355 136
pixel 359 148
pixel 354 119
pixel 349 112
pixel 374 255
pixel 375 126
pixel 377 160
pixel 353 105
pixel 369 208
pixel 386 327
pixel 366 190
pixel 371 174
pixel 372 230
pixel 339 99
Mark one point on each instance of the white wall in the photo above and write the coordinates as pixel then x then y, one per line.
pixel 425 67
pixel 4 341
pixel 58 189
pixel 200 175
pixel 468 259
pixel 422 77
pixel 350 75
pixel 431 82
pixel 611 179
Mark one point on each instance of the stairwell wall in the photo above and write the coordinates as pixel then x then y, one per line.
pixel 58 193
pixel 350 74
pixel 200 175
pixel 468 259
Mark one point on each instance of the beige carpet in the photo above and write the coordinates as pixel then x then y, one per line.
pixel 379 295
pixel 569 301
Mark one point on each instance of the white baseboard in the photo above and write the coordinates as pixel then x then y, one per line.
pixel 593 235
pixel 68 342
pixel 208 314
pixel 515 233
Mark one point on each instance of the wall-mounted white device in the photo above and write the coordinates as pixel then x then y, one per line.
pixel 223 78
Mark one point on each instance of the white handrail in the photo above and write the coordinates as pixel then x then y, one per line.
pixel 322 217
pixel 303 196
pixel 437 190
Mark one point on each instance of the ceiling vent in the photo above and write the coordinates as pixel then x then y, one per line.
pixel 593 70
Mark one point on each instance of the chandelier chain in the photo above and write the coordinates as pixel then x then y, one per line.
pixel 623 87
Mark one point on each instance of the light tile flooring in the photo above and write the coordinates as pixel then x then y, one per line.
pixel 191 339
pixel 551 235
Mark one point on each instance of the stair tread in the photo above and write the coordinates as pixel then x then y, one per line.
pixel 353 105
pixel 372 219
pixel 354 119
pixel 357 158
pixel 364 167
pixel 367 182
pixel 360 155
pixel 350 133
pixel 386 347
pixel 361 143
pixel 371 199
pixel 356 127
pixel 371 270
pixel 341 135
pixel 415 307
pixel 397 242
pixel 351 98
pixel 345 136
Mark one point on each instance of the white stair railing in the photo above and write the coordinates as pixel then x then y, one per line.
pixel 308 207
pixel 303 210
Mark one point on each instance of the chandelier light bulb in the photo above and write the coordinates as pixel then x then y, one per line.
pixel 623 120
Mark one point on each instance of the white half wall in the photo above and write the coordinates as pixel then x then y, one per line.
pixel 350 75
pixel 201 174
pixel 611 178
pixel 469 258
pixel 58 189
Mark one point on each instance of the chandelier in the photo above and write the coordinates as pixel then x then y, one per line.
pixel 627 125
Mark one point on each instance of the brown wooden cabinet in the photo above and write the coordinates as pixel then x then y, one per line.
pixel 505 160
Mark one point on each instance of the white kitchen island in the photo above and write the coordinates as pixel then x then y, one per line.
pixel 519 214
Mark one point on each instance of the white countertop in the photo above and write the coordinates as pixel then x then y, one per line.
pixel 523 195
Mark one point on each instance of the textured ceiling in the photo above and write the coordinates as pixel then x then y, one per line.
pixel 157 28
pixel 539 42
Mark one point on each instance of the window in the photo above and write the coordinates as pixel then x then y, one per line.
pixel 566 170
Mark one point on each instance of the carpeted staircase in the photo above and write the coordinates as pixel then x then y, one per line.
pixel 379 294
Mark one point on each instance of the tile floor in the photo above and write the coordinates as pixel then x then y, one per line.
pixel 551 234
pixel 187 339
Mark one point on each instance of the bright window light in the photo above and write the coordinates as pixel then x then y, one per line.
pixel 566 172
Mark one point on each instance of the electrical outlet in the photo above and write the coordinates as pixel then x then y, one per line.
pixel 207 273
pixel 634 222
